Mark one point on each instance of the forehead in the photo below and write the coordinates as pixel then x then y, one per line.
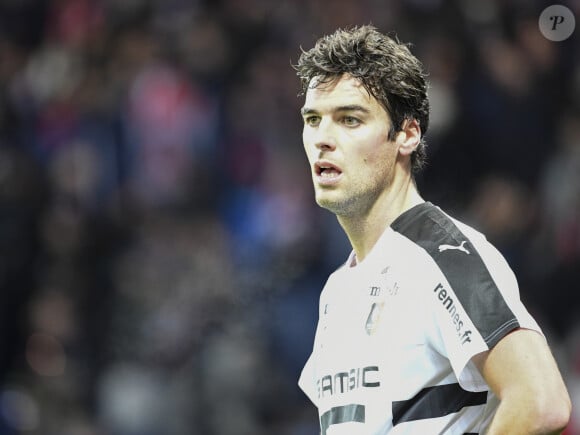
pixel 343 90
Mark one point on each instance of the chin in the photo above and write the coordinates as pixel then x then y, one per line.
pixel 333 205
pixel 327 203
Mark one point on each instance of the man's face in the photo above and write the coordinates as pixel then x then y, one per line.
pixel 345 136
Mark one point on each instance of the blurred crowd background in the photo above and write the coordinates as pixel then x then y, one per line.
pixel 161 254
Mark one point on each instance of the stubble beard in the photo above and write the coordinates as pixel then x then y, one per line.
pixel 356 203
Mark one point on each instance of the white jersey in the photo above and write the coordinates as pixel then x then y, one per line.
pixel 396 332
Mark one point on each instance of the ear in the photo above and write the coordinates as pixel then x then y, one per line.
pixel 408 137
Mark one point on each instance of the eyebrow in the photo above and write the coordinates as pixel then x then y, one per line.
pixel 348 108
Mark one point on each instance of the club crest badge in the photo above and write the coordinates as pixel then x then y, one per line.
pixel 374 317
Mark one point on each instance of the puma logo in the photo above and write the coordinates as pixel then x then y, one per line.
pixel 460 247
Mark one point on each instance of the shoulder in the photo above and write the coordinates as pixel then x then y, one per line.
pixel 435 231
pixel 448 241
pixel 471 269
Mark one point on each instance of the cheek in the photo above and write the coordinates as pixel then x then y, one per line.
pixel 308 136
pixel 378 163
pixel 378 151
pixel 306 144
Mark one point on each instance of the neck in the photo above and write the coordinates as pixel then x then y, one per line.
pixel 364 230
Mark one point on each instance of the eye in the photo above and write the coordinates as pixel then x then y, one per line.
pixel 351 121
pixel 312 120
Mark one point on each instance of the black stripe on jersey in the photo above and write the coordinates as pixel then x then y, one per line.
pixel 433 402
pixel 342 414
pixel 431 229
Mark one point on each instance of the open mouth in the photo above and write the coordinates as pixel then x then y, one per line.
pixel 327 171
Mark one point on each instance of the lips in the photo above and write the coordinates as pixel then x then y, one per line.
pixel 327 172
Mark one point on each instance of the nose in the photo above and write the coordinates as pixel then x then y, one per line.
pixel 326 145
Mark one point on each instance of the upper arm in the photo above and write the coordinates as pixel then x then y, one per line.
pixel 521 370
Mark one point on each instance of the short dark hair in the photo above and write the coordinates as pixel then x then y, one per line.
pixel 385 67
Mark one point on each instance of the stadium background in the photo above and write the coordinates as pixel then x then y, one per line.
pixel 160 250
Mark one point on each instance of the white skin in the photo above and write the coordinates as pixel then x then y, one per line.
pixel 365 179
pixel 368 183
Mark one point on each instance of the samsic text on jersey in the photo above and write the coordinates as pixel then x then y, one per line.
pixel 396 332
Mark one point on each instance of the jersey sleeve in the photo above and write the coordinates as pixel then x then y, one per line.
pixel 476 304
pixel 472 295
pixel 307 381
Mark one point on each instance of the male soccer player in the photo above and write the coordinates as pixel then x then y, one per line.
pixel 422 330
